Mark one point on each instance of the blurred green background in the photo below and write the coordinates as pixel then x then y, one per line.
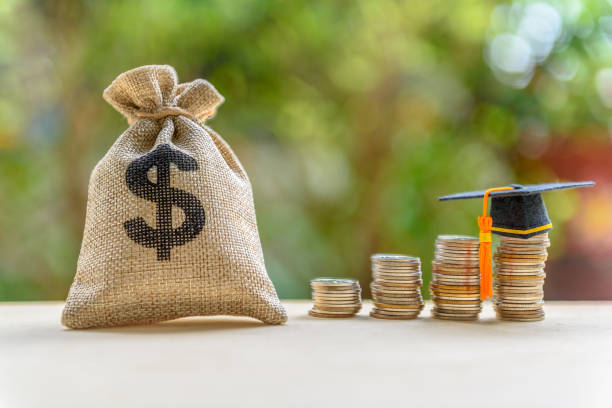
pixel 350 117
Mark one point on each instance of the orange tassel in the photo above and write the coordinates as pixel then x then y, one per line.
pixel 484 251
pixel 484 256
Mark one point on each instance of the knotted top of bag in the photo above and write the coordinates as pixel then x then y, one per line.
pixel 153 91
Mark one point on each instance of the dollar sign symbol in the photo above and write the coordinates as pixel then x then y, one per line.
pixel 164 237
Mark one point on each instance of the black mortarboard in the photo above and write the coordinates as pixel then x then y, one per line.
pixel 519 212
pixel 516 211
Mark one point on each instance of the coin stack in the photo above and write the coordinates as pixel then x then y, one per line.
pixel 335 297
pixel 455 285
pixel 396 292
pixel 519 278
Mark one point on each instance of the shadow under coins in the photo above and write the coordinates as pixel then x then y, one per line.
pixel 483 321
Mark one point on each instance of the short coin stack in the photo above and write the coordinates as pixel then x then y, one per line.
pixel 519 278
pixel 455 286
pixel 335 297
pixel 396 292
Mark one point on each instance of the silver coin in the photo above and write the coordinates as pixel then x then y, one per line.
pixel 334 281
pixel 395 258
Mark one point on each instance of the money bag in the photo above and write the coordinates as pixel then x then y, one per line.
pixel 170 229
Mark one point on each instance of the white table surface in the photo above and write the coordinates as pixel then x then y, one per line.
pixel 566 360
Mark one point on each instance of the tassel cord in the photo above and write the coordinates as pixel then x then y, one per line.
pixel 485 223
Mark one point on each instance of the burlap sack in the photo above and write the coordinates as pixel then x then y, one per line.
pixel 170 229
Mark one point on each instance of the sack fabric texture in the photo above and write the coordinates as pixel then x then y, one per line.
pixel 170 229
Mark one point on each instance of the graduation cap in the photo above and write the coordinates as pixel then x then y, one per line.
pixel 516 211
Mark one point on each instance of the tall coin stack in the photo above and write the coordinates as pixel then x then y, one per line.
pixel 519 278
pixel 455 285
pixel 335 297
pixel 396 292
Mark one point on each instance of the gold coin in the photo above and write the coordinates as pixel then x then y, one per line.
pixel 397 312
pixel 520 283
pixel 404 288
pixel 393 317
pixel 394 295
pixel 463 274
pixel 346 306
pixel 454 293
pixel 445 265
pixel 450 251
pixel 452 287
pixel 396 266
pixel 408 304
pixel 504 295
pixel 514 244
pixel 392 275
pixel 322 307
pixel 526 293
pixel 530 313
pixel 458 311
pixel 504 316
pixel 459 277
pixel 396 271
pixel 455 258
pixel 336 291
pixel 447 316
pixel 394 306
pixel 519 266
pixel 519 306
pixel 341 302
pixel 398 279
pixel 397 298
pixel 443 280
pixel 337 294
pixel 331 299
pixel 397 295
pixel 459 302
pixel 451 283
pixel 451 309
pixel 438 297
pixel 416 296
pixel 535 238
pixel 502 287
pixel 456 274
pixel 520 257
pixel 451 292
pixel 520 312
pixel 442 265
pixel 517 299
pixel 526 250
pixel 456 296
pixel 527 312
pixel 511 276
pixel 384 282
pixel 518 273
pixel 436 289
pixel 522 319
pixel 316 314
